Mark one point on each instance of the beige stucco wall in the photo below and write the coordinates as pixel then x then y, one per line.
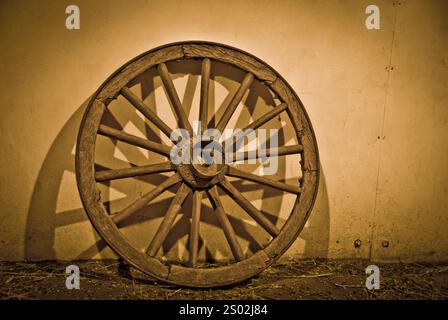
pixel 382 132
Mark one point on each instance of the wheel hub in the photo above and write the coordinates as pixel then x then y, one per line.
pixel 200 176
pixel 202 172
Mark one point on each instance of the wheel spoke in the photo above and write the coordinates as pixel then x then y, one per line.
pixel 174 98
pixel 134 140
pixel 107 175
pixel 234 172
pixel 267 116
pixel 194 228
pixel 225 223
pixel 244 86
pixel 205 81
pixel 146 111
pixel 168 220
pixel 248 207
pixel 259 122
pixel 276 152
pixel 143 201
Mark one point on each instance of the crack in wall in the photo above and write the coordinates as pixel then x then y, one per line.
pixel 389 69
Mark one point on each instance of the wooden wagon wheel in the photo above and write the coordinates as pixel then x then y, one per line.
pixel 189 178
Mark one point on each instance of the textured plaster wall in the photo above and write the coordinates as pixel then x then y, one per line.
pixel 377 100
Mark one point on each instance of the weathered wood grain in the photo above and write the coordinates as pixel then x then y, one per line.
pixel 168 220
pixel 225 224
pixel 205 85
pixel 234 172
pixel 194 228
pixel 146 111
pixel 137 67
pixel 179 110
pixel 249 208
pixel 299 119
pixel 145 199
pixel 233 104
pixel 107 175
pixel 134 140
pixel 230 56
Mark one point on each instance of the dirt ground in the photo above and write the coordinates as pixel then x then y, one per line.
pixel 309 279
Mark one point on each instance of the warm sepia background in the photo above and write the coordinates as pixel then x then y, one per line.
pixel 377 99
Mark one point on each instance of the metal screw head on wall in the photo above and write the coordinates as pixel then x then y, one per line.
pixel 385 244
pixel 357 243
